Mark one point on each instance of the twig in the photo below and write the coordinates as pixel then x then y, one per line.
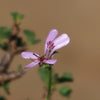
pixel 10 76
pixel 12 49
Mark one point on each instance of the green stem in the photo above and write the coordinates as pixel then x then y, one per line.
pixel 50 82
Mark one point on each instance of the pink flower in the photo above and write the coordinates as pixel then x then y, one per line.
pixel 52 44
pixel 36 59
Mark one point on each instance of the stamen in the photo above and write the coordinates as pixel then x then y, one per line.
pixel 50 46
pixel 50 42
pixel 35 55
pixel 47 44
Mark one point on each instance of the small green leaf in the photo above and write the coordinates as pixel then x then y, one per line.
pixel 4 46
pixel 17 17
pixel 66 77
pixel 6 87
pixel 19 68
pixel 65 91
pixel 2 98
pixel 5 32
pixel 35 41
pixel 31 37
pixel 44 75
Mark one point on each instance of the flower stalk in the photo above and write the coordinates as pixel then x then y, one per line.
pixel 49 83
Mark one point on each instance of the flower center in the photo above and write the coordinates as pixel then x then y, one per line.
pixel 41 59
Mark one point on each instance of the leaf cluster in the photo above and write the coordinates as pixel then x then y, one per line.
pixel 6 34
pixel 66 77
pixel 17 17
pixel 6 37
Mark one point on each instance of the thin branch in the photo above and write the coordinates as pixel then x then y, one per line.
pixel 10 76
pixel 12 49
pixel 5 61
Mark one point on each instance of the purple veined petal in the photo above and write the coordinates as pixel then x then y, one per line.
pixel 51 61
pixel 30 55
pixel 51 36
pixel 60 42
pixel 33 64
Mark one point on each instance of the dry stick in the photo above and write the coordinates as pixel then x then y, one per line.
pixel 10 76
pixel 11 52
pixel 6 59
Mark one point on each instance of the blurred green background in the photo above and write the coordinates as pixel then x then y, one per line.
pixel 81 20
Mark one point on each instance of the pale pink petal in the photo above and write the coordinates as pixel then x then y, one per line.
pixel 51 61
pixel 30 55
pixel 62 38
pixel 33 64
pixel 60 42
pixel 51 36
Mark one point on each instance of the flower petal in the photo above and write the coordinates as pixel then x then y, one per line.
pixel 62 38
pixel 60 42
pixel 51 36
pixel 51 61
pixel 33 64
pixel 29 55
